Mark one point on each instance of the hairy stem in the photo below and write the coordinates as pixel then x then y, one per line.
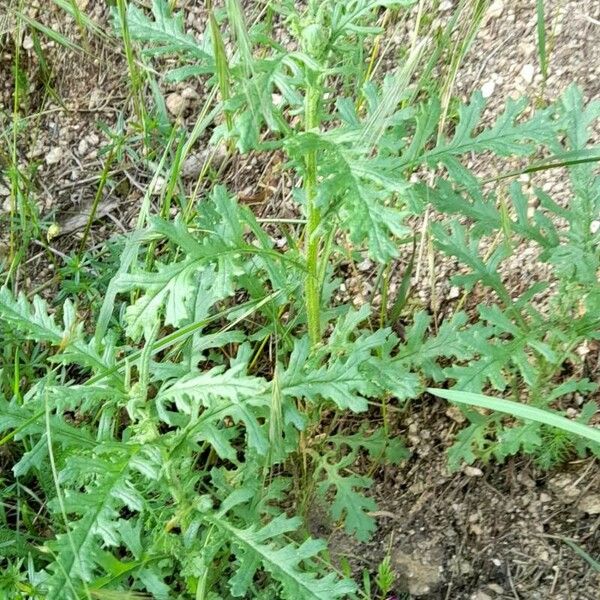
pixel 312 287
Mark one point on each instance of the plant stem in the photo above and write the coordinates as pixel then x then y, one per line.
pixel 134 72
pixel 222 69
pixel 312 288
pixel 102 183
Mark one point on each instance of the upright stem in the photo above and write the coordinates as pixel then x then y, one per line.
pixel 312 291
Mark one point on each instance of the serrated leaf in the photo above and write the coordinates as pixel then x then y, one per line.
pixel 349 504
pixel 36 323
pixel 228 394
pixel 512 440
pixel 99 509
pixel 469 440
pixel 507 136
pixel 340 381
pixel 164 33
pixel 256 547
pixel 376 443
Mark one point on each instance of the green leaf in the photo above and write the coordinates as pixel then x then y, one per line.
pixel 340 380
pixel 507 136
pixel 512 440
pixel 521 411
pixel 164 34
pixel 469 440
pixel 228 394
pixel 257 546
pixel 35 323
pixel 365 188
pixel 377 444
pixel 106 474
pixel 348 503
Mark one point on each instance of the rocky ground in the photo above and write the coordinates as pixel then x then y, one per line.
pixel 487 532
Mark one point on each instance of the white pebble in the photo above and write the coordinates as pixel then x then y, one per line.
pixel 365 265
pixel 487 89
pixel 454 292
pixel 527 73
pixel 473 471
pixel 156 187
pixel 495 9
pixel 189 93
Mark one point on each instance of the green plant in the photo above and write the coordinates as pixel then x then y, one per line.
pixel 172 443
pixel 385 577
pixel 515 347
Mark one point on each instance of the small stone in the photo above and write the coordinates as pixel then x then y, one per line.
pixel 465 567
pixel 54 156
pixel 96 98
pixel 544 498
pixel 365 265
pixel 83 147
pixel 454 292
pixel 479 595
pixel 189 93
pixel 494 587
pixel 527 73
pixel 531 212
pixel 419 575
pixel 590 504
pixel 192 166
pixel 584 349
pixel 487 89
pixel 526 48
pixel 28 42
pixel 445 6
pixel 156 187
pixel 563 485
pixel 594 227
pixel 455 414
pixel 417 488
pixel 4 191
pixel 175 104
pixel 472 471
pixel 496 9
pixel 527 481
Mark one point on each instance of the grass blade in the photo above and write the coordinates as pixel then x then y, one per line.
pixel 541 37
pixel 521 411
pixel 403 290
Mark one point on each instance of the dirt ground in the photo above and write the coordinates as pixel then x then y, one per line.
pixel 485 533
